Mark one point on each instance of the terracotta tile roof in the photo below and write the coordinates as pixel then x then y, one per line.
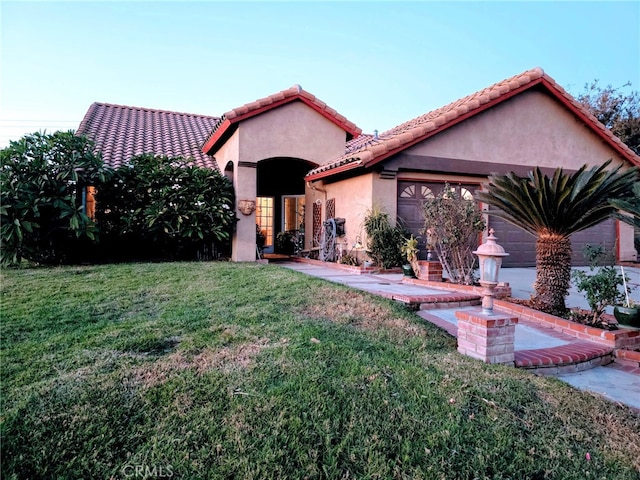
pixel 418 129
pixel 121 132
pixel 228 122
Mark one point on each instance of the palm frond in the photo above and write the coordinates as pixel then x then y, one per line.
pixel 563 203
pixel 629 206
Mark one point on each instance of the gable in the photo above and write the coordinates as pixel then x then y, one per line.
pixel 531 129
pixel 397 140
pixel 293 130
pixel 230 121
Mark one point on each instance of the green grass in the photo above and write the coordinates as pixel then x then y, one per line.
pixel 219 370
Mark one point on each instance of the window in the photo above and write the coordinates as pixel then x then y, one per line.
pixel 293 213
pixel 410 192
pixel 264 218
pixel 90 202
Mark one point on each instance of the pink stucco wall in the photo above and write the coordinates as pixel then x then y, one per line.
pixel 293 130
pixel 530 129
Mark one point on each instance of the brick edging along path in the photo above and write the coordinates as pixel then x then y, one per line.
pixel 625 338
pixel 619 343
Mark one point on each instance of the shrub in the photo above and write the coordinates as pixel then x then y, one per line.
pixel 261 238
pixel 384 241
pixel 349 259
pixel 286 242
pixel 164 207
pixel 452 224
pixel 42 177
pixel 410 252
pixel 601 286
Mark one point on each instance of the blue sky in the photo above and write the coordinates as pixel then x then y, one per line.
pixel 377 63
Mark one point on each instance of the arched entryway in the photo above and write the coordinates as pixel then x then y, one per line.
pixel 280 198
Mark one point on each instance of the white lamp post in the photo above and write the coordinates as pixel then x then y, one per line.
pixel 490 255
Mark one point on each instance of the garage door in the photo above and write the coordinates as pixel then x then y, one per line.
pixel 520 245
pixel 411 196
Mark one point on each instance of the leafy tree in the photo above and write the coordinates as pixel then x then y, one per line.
pixel 159 206
pixel 616 110
pixel 452 225
pixel 41 181
pixel 552 209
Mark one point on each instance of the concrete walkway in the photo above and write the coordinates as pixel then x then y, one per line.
pixel 612 381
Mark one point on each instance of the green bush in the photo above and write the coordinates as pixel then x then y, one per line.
pixel 152 208
pixel 286 242
pixel 42 177
pixel 384 241
pixel 163 207
pixel 602 286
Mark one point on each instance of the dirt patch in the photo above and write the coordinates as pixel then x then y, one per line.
pixel 353 308
pixel 226 360
pixel 229 358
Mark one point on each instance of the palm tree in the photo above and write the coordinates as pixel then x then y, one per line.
pixel 552 209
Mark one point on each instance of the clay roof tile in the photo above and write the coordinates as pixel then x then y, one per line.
pixel 121 132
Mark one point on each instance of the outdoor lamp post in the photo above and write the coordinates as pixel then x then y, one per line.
pixel 490 255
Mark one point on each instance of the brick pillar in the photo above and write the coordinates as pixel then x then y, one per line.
pixel 429 270
pixel 486 338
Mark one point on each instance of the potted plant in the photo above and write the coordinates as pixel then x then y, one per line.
pixel 410 253
pixel 629 313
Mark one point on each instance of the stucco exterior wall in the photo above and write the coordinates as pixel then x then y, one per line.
pixel 243 243
pixel 529 129
pixel 354 198
pixel 293 130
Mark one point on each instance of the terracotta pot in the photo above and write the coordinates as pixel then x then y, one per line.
pixel 629 316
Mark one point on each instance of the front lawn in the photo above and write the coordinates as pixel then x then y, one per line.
pixel 220 370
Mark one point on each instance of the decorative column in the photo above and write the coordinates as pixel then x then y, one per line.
pixel 243 246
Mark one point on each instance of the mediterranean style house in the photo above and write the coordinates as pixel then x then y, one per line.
pixel 295 162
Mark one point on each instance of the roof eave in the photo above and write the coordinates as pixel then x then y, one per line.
pixel 549 85
pixel 221 133
pixel 334 171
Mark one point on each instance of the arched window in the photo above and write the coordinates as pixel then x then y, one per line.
pixel 228 171
pixel 408 192
pixel 422 192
